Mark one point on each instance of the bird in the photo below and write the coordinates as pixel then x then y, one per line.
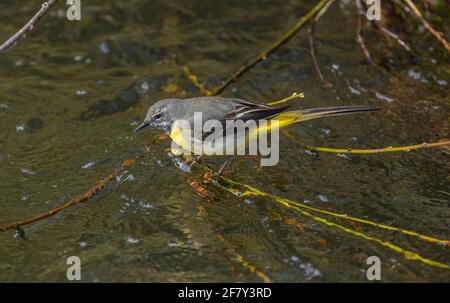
pixel 166 114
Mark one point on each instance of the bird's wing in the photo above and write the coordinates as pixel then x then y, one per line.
pixel 246 110
pixel 223 109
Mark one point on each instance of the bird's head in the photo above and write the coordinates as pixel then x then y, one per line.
pixel 160 115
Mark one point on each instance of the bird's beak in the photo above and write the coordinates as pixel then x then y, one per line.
pixel 143 125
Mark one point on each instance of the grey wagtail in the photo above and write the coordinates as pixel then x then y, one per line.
pixel 164 114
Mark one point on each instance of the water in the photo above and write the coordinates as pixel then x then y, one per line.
pixel 72 92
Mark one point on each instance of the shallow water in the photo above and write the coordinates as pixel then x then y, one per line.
pixel 72 92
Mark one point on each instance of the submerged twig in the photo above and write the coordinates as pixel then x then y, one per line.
pixel 359 30
pixel 368 150
pixel 312 47
pixel 253 191
pixel 194 79
pixel 396 38
pixel 410 255
pixel 13 40
pixel 438 35
pixel 312 50
pixel 84 197
pixel 386 33
pixel 263 55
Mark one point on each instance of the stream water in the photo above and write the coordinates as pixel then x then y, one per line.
pixel 72 92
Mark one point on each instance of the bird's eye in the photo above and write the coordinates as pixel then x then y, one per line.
pixel 158 117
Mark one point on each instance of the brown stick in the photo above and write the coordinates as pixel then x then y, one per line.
pixel 438 35
pixel 84 197
pixel 359 37
pixel 13 40
pixel 396 38
pixel 312 51
pixel 263 55
pixel 388 34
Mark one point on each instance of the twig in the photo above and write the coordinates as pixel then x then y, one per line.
pixel 84 197
pixel 230 184
pixel 284 100
pixel 438 35
pixel 389 149
pixel 13 40
pixel 388 34
pixel 312 47
pixel 263 55
pixel 323 10
pixel 194 79
pixel 359 37
pixel 304 209
pixel 191 76
pixel 312 51
pixel 409 255
pixel 441 143
pixel 396 38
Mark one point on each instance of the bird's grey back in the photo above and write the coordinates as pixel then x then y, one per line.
pixel 210 107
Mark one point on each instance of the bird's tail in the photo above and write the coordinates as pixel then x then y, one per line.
pixel 295 116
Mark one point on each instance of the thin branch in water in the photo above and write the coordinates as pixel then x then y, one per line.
pixel 191 76
pixel 293 96
pixel 409 255
pixel 100 184
pixel 312 47
pixel 312 51
pixel 438 35
pixel 359 30
pixel 388 149
pixel 388 34
pixel 263 55
pixel 194 79
pixel 323 10
pixel 396 38
pixel 13 40
pixel 301 208
pixel 229 185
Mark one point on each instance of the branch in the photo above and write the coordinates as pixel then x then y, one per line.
pixel 438 35
pixel 396 38
pixel 388 34
pixel 263 55
pixel 305 210
pixel 100 184
pixel 390 149
pixel 194 79
pixel 359 30
pixel 13 40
